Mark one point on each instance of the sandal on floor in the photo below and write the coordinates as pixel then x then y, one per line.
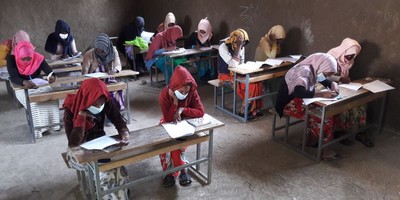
pixel 334 157
pixel 260 114
pixel 364 139
pixel 184 179
pixel 168 181
pixel 249 116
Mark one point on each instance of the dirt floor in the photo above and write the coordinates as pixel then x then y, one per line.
pixel 247 163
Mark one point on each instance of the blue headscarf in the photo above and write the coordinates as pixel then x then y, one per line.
pixel 54 38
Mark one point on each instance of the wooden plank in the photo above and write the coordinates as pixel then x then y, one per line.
pixel 267 76
pixel 62 94
pixel 62 62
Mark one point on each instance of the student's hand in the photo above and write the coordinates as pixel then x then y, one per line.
pixel 326 94
pixel 177 116
pixel 29 84
pixel 124 137
pixel 172 94
pixel 52 78
pixel 335 87
pixel 344 79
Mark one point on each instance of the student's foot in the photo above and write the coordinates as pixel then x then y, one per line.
pixel 249 116
pixel 168 181
pixel 184 179
pixel 333 157
pixel 364 139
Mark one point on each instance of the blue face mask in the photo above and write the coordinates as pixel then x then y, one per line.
pixel 94 110
pixel 179 95
pixel 321 77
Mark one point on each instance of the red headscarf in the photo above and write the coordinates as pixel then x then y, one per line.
pixel 181 77
pixel 25 49
pixel 90 90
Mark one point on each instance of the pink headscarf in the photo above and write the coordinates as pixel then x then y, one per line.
pixel 25 49
pixel 305 72
pixel 204 25
pixel 347 47
pixel 19 36
pixel 164 39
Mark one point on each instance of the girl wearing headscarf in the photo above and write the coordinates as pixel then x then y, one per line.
pixel 104 58
pixel 84 115
pixel 5 50
pixel 269 46
pixel 23 66
pixel 231 54
pixel 201 38
pixel 179 100
pixel 61 44
pixel 300 83
pixel 168 22
pixel 345 54
pixel 128 33
pixel 164 41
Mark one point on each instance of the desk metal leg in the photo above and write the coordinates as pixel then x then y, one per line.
pixel 210 156
pixel 198 150
pixel 97 180
pixel 246 98
pixel 91 181
pixel 321 134
pixel 29 116
pixel 381 114
pixel 234 94
pixel 127 101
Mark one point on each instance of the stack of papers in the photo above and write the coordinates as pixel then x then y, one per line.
pixel 96 74
pixel 374 86
pixel 250 65
pixel 100 143
pixel 280 60
pixel 180 129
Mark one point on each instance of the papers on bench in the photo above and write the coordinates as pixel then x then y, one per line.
pixel 39 81
pixel 96 74
pixel 72 57
pixel 180 129
pixel 280 60
pixel 352 86
pixel 374 86
pixel 271 62
pixel 100 143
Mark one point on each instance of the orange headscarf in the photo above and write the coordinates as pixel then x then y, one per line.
pixel 233 38
pixel 25 49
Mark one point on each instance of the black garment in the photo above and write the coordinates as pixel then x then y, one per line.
pixel 54 38
pixel 193 40
pixel 77 136
pixel 18 78
pixel 130 32
pixel 283 97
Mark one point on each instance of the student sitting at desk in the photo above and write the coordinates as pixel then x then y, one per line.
pixel 24 66
pixel 104 58
pixel 345 54
pixel 179 100
pixel 231 54
pixel 61 44
pixel 164 41
pixel 169 22
pixel 300 83
pixel 201 38
pixel 128 33
pixel 269 46
pixel 84 117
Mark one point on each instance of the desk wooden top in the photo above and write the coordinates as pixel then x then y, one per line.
pixel 74 79
pixel 282 67
pixel 145 140
pixel 65 62
pixel 189 52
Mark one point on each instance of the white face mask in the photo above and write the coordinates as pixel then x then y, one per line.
pixel 320 77
pixel 63 36
pixel 179 95
pixel 94 110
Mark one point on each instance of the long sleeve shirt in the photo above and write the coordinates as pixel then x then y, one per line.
pixel 90 64
pixel 226 59
pixel 18 78
pixel 59 51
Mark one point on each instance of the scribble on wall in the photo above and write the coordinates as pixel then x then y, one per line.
pixel 307 33
pixel 248 14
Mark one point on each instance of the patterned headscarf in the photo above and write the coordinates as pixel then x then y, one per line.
pixel 347 47
pixel 233 38
pixel 25 49
pixel 104 43
pixel 277 32
pixel 19 36
pixel 305 72
pixel 90 90
pixel 204 25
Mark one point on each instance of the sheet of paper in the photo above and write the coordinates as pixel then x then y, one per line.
pixel 352 86
pixel 96 74
pixel 180 50
pixel 377 86
pixel 297 57
pixel 146 36
pixel 312 100
pixel 287 59
pixel 205 48
pixel 39 81
pixel 271 61
pixel 72 57
pixel 179 129
pixel 250 65
pixel 200 121
pixel 99 143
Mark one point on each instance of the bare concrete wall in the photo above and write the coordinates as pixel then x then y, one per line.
pixel 87 19
pixel 312 26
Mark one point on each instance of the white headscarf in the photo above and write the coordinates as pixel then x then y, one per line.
pixel 204 25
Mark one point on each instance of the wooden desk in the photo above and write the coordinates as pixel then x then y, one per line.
pixel 144 144
pixel 64 62
pixel 187 52
pixel 350 99
pixel 246 77
pixel 61 94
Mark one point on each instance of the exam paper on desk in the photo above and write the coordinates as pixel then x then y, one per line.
pixel 180 129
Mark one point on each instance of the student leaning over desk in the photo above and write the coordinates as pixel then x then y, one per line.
pixel 61 44
pixel 104 58
pixel 84 117
pixel 345 54
pixel 231 54
pixel 179 100
pixel 7 48
pixel 24 66
pixel 300 83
